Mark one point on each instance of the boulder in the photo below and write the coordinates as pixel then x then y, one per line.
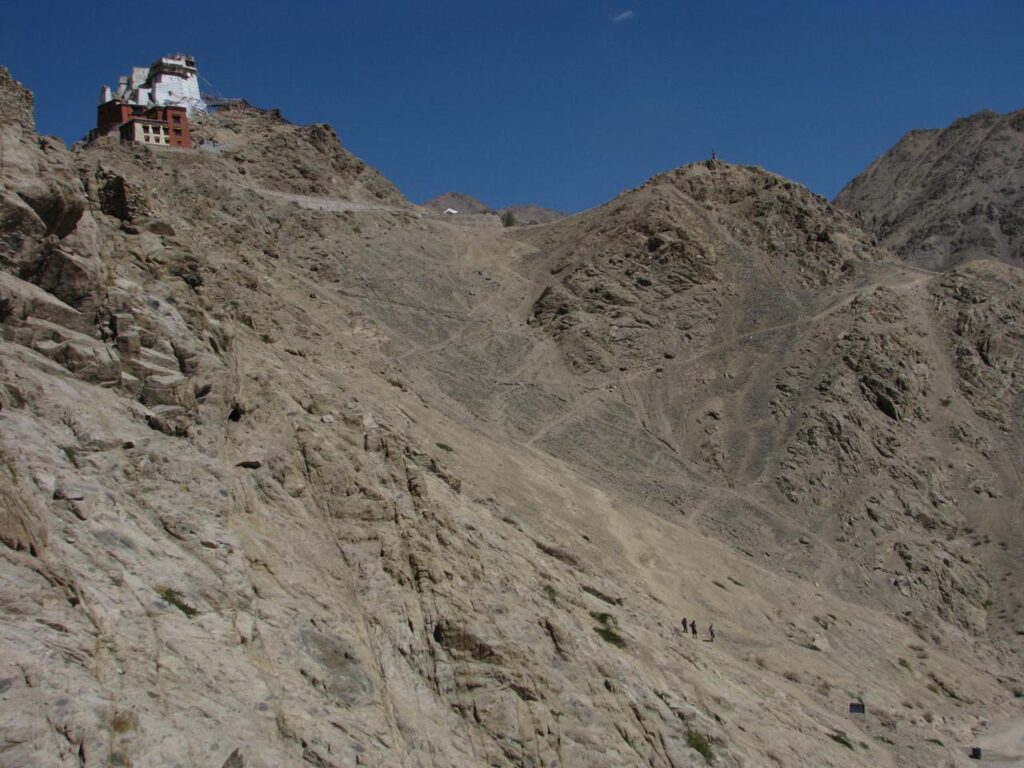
pixel 119 198
pixel 167 389
pixel 20 299
pixel 73 279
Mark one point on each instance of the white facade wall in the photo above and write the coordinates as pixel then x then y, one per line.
pixel 149 86
pixel 150 133
pixel 178 91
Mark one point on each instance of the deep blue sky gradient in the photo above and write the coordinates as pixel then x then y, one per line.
pixel 553 102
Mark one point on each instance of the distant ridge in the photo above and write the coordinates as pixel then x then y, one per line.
pixel 942 197
pixel 466 204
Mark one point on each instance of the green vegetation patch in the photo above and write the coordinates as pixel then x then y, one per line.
pixel 840 738
pixel 175 598
pixel 606 629
pixel 701 743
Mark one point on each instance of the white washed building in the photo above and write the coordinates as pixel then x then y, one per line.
pixel 169 81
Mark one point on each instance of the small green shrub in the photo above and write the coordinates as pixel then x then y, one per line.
pixel 606 629
pixel 508 219
pixel 840 738
pixel 698 741
pixel 175 598
pixel 609 635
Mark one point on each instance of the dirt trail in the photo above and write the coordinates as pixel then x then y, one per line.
pixel 334 204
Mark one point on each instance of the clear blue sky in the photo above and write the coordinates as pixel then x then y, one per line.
pixel 564 103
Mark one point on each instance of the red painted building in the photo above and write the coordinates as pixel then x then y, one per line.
pixel 112 115
pixel 161 126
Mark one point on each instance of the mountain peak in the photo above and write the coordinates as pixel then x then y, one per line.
pixel 942 197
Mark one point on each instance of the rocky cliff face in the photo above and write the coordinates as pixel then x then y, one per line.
pixel 940 198
pixel 291 476
pixel 17 102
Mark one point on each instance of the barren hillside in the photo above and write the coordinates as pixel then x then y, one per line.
pixel 940 198
pixel 294 476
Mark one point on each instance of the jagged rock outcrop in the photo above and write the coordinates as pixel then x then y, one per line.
pixel 946 196
pixel 47 237
pixel 16 102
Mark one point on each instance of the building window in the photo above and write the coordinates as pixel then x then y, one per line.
pixel 177 131
pixel 177 118
pixel 145 129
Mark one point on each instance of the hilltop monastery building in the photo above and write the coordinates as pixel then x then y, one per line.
pixel 153 104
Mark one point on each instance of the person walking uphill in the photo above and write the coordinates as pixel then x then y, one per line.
pixel 686 627
pixel 693 628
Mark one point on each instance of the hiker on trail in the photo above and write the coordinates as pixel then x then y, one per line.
pixel 685 625
pixel 711 633
pixel 693 628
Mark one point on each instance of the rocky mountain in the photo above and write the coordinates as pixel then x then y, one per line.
pixel 457 201
pixel 295 475
pixel 464 204
pixel 940 198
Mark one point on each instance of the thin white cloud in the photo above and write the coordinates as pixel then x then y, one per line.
pixel 626 15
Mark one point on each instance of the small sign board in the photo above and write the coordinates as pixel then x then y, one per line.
pixel 857 708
